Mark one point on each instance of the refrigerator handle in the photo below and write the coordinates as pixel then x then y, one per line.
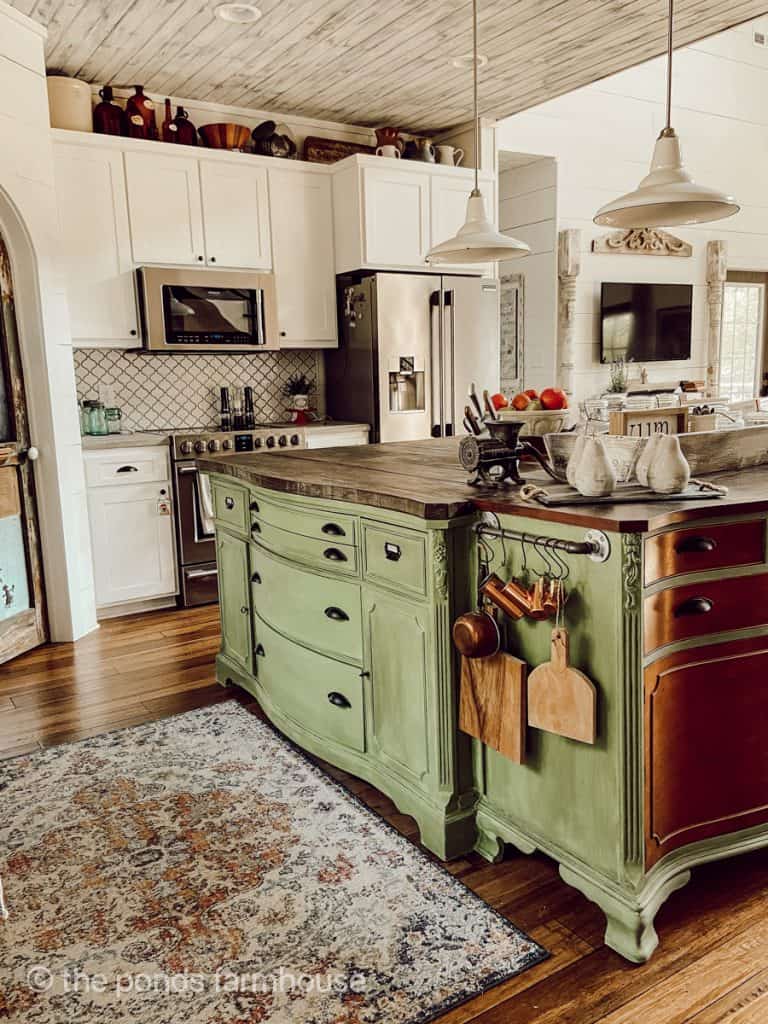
pixel 436 362
pixel 449 352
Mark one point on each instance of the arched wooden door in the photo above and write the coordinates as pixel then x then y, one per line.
pixel 22 610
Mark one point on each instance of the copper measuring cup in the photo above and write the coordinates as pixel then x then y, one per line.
pixel 513 599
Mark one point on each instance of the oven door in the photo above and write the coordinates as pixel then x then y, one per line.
pixel 207 310
pixel 198 576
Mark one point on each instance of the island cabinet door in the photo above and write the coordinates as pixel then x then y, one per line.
pixel 397 639
pixel 706 757
pixel 234 597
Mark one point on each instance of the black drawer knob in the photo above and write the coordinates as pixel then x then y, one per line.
pixel 696 545
pixel 244 609
pixel 255 528
pixel 337 614
pixel 254 506
pixel 338 700
pixel 260 650
pixel 392 551
pixel 694 606
pixel 334 555
pixel 229 502
pixel 255 578
pixel 333 530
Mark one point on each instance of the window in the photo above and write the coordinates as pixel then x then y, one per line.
pixel 741 346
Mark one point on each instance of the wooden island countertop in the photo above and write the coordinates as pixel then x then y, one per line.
pixel 424 479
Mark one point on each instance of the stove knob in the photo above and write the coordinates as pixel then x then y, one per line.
pixel 214 446
pixel 270 442
pixel 227 444
pixel 282 441
pixel 295 439
pixel 257 442
pixel 185 447
pixel 200 447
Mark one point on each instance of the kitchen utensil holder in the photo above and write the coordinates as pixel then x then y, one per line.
pixel 596 545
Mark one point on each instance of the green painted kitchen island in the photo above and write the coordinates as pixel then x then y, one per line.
pixel 341 572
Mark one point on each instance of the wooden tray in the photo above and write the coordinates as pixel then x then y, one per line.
pixel 622 496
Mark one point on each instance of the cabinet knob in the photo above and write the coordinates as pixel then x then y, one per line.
pixel 213 259
pixel 334 555
pixel 229 502
pixel 260 652
pixel 200 259
pixel 337 614
pixel 254 506
pixel 699 545
pixel 255 528
pixel 244 609
pixel 333 530
pixel 338 700
pixel 282 334
pixel 133 332
pixel 256 578
pixel 694 606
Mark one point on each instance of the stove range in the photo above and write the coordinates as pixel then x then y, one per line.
pixel 189 443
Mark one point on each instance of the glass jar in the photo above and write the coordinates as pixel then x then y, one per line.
pixel 113 417
pixel 96 419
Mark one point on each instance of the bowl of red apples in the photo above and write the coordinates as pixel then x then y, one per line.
pixel 540 412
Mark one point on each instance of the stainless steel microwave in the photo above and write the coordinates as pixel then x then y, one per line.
pixel 206 310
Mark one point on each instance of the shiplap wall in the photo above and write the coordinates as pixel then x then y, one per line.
pixel 528 211
pixel 602 137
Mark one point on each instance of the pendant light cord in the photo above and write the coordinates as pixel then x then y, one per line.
pixel 474 95
pixel 669 68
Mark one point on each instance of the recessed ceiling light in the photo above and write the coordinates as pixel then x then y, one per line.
pixel 239 13
pixel 465 62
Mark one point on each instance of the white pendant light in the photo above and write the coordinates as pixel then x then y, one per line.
pixel 477 241
pixel 667 195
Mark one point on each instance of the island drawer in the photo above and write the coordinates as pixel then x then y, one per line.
pixel 395 557
pixel 326 554
pixel 230 505
pixel 700 609
pixel 704 547
pixel 328 526
pixel 321 613
pixel 323 696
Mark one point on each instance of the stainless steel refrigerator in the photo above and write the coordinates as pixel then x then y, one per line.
pixel 409 347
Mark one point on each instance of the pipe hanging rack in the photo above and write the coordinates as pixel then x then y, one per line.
pixel 596 545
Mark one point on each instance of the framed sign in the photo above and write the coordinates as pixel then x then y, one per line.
pixel 644 422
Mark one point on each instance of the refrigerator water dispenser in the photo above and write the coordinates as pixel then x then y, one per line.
pixel 406 386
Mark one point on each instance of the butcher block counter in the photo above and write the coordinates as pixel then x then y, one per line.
pixel 341 574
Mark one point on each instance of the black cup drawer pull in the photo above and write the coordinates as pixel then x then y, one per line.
pixel 255 528
pixel 392 551
pixel 229 502
pixel 338 700
pixel 254 506
pixel 260 650
pixel 334 555
pixel 696 545
pixel 127 469
pixel 333 530
pixel 337 614
pixel 694 606
pixel 256 578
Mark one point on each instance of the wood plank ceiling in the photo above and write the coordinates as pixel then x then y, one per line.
pixel 368 61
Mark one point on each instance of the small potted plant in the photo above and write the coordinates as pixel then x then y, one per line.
pixel 297 390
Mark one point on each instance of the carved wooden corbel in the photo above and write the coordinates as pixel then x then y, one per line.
pixel 568 267
pixel 642 242
pixel 717 268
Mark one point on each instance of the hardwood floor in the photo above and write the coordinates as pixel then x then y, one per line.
pixel 712 965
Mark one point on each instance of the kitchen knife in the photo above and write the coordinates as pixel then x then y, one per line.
pixel 468 426
pixel 472 419
pixel 489 407
pixel 475 400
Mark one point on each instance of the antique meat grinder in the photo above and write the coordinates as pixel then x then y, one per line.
pixel 494 460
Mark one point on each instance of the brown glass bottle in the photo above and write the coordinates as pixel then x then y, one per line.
pixel 108 118
pixel 186 133
pixel 140 112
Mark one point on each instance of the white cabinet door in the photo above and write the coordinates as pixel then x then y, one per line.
pixel 448 211
pixel 396 204
pixel 235 215
pixel 96 246
pixel 132 541
pixel 164 207
pixel 302 243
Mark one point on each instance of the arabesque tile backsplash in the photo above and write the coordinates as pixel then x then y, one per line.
pixel 173 392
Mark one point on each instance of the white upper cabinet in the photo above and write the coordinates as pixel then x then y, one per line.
pixel 388 213
pixel 96 247
pixel 165 208
pixel 396 205
pixel 302 248
pixel 236 215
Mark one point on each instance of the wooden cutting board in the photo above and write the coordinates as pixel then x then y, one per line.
pixel 492 703
pixel 560 698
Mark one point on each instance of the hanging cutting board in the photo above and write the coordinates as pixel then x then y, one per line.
pixel 560 698
pixel 492 703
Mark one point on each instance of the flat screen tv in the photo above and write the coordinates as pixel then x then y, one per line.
pixel 645 323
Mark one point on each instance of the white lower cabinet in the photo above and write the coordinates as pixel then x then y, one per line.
pixel 132 535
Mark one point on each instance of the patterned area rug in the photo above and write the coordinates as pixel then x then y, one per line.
pixel 200 869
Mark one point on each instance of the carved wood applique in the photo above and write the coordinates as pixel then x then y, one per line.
pixel 717 268
pixel 642 242
pixel 568 267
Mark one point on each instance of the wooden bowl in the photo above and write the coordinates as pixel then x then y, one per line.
pixel 536 421
pixel 225 136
